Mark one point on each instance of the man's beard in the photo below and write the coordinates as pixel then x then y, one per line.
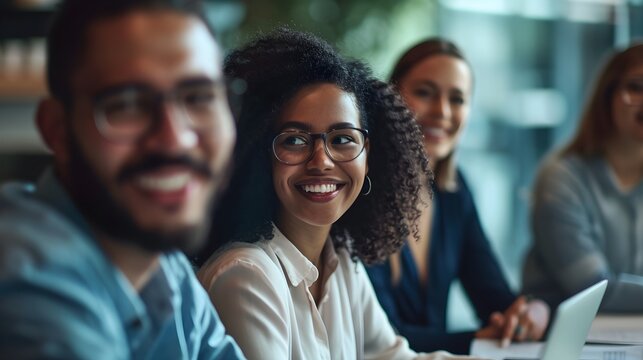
pixel 109 217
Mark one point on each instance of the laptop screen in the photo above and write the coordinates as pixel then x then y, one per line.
pixel 573 319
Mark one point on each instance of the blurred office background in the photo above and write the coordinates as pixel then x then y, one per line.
pixel 534 61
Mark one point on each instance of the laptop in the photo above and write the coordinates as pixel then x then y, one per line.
pixel 571 325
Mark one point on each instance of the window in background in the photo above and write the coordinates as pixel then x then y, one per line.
pixel 533 62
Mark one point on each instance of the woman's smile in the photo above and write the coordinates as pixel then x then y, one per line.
pixel 320 190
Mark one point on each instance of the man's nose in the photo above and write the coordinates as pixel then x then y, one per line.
pixel 173 130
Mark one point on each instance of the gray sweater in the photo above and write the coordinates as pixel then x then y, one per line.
pixel 585 229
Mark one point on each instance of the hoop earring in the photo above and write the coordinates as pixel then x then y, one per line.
pixel 370 186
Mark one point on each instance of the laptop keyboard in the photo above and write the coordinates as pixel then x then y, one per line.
pixel 614 355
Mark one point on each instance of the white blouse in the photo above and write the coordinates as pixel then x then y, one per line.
pixel 261 293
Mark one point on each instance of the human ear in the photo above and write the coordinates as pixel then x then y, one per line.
pixel 50 120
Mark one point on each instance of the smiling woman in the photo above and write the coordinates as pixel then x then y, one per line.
pixel 276 101
pixel 436 81
pixel 325 181
pixel 328 166
pixel 587 212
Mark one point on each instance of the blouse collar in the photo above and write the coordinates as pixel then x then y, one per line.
pixel 296 266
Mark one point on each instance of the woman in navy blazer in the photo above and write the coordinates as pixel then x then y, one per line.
pixel 436 81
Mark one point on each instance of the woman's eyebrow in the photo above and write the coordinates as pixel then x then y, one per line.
pixel 296 125
pixel 425 82
pixel 306 127
pixel 341 125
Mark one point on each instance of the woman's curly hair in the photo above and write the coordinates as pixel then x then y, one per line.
pixel 271 70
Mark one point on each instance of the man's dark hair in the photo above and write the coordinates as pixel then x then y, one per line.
pixel 274 68
pixel 67 38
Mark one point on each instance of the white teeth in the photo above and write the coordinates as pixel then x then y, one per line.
pixel 324 188
pixel 164 183
pixel 438 132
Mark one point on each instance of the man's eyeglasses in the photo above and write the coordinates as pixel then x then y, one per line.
pixel 632 92
pixel 126 113
pixel 296 146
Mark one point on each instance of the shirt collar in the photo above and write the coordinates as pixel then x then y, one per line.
pixel 131 305
pixel 153 304
pixel 331 260
pixel 297 266
pixel 161 293
pixel 51 191
pixel 608 177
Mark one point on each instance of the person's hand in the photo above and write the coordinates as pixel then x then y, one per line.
pixel 523 320
pixel 494 329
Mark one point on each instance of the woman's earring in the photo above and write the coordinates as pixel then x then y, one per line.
pixel 370 186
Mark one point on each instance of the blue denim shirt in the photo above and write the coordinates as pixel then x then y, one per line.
pixel 61 297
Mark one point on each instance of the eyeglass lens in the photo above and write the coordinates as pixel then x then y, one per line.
pixel 130 113
pixel 295 147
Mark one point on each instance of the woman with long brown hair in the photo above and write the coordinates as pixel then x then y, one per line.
pixel 436 81
pixel 587 215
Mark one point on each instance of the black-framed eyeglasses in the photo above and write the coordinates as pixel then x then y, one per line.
pixel 294 147
pixel 632 92
pixel 126 113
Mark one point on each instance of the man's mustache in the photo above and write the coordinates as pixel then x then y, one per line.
pixel 157 161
